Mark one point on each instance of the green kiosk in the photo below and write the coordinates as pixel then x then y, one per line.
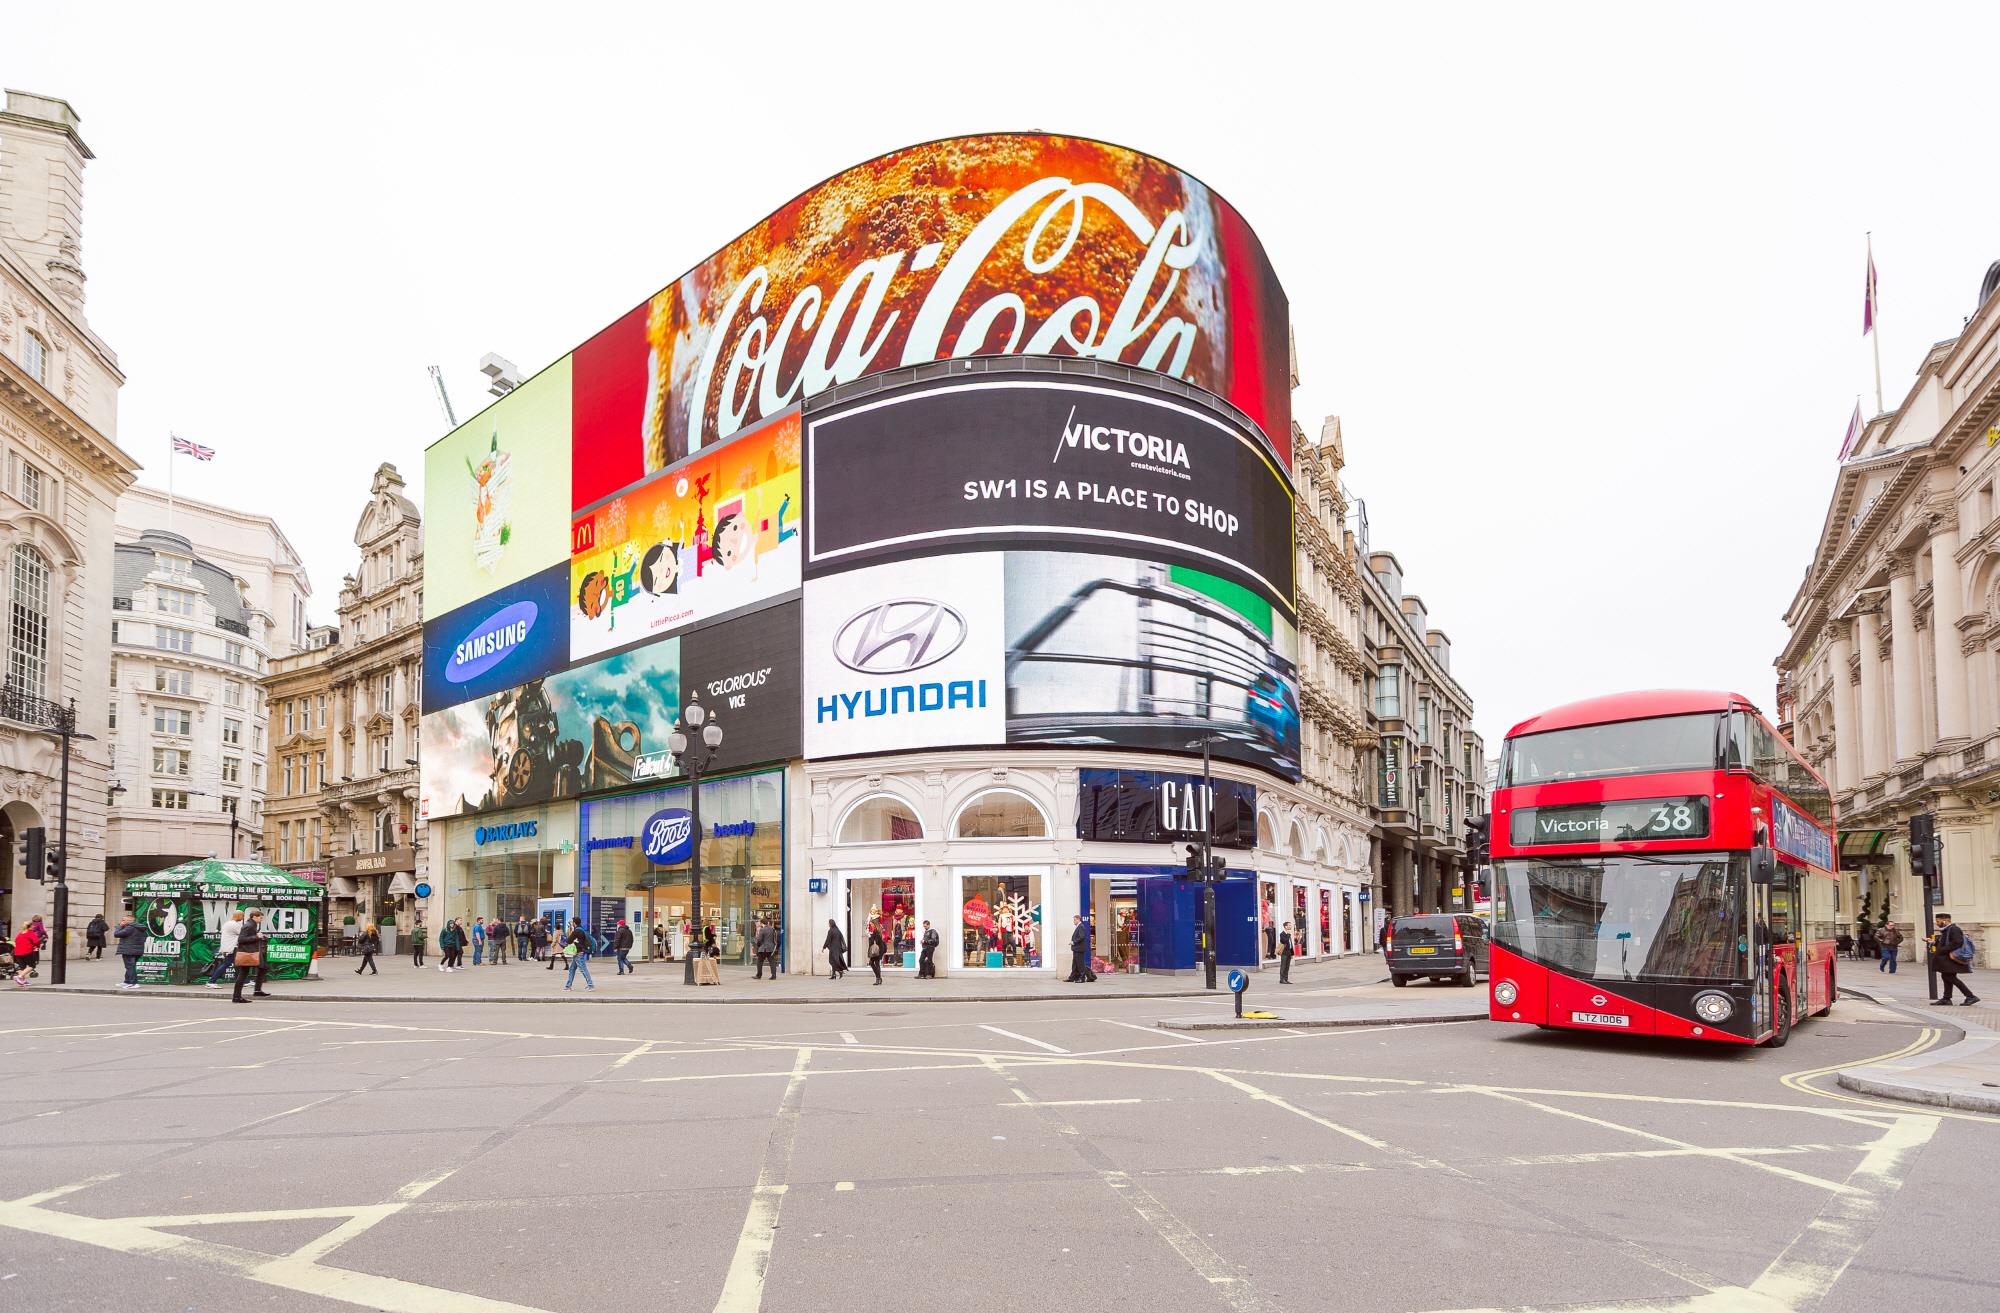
pixel 183 908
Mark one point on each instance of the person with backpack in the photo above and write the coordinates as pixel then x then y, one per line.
pixel 1889 944
pixel 1951 955
pixel 93 937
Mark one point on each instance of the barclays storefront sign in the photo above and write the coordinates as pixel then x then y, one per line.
pixel 485 834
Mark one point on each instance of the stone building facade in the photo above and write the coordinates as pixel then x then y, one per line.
pixel 376 850
pixel 61 474
pixel 300 701
pixel 1890 681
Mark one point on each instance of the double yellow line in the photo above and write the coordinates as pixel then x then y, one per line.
pixel 1801 1081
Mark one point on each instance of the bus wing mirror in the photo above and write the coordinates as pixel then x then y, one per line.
pixel 1763 865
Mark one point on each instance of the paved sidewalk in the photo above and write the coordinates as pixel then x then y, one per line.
pixel 660 982
pixel 1964 1075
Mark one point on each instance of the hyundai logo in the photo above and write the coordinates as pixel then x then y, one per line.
pixel 898 636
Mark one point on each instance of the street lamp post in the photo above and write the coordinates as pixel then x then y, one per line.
pixel 694 743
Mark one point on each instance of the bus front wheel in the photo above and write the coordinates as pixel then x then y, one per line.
pixel 1781 1013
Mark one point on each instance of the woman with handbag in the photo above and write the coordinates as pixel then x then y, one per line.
pixel 877 946
pixel 250 956
pixel 370 943
pixel 836 950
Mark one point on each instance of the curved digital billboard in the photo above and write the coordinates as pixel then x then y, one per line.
pixel 1003 244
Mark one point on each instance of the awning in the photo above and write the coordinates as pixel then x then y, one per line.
pixel 402 882
pixel 1862 843
pixel 342 886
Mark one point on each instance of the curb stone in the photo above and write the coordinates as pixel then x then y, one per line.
pixel 1882 1080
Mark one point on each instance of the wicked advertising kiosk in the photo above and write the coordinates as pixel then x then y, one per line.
pixel 183 908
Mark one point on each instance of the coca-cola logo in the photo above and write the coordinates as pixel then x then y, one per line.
pixel 878 300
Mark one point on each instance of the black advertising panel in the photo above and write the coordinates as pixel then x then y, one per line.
pixel 745 672
pixel 1006 458
pixel 1143 806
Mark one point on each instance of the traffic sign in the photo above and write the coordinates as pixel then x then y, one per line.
pixel 1238 982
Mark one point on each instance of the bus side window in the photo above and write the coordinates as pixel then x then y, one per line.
pixel 1784 903
pixel 1739 755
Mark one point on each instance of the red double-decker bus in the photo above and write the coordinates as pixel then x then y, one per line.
pixel 1663 864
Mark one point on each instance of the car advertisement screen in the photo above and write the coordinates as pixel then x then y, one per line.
pixel 696 542
pixel 906 655
pixel 504 639
pixel 1010 459
pixel 1058 648
pixel 989 245
pixel 496 494
pixel 570 733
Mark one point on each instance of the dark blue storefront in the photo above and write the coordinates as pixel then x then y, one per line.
pixel 1169 914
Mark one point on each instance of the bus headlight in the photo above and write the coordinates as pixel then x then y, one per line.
pixel 1713 1008
pixel 1505 993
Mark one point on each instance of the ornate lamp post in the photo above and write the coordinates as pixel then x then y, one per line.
pixel 694 742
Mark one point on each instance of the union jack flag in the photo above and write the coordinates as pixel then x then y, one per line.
pixel 182 447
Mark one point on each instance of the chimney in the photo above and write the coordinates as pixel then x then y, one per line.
pixel 41 190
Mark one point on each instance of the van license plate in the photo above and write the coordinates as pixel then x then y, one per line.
pixel 1415 951
pixel 1600 1019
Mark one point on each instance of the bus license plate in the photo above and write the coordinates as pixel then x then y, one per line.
pixel 1422 950
pixel 1600 1019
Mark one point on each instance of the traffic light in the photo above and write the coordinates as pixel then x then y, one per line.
pixel 34 851
pixel 54 860
pixel 1477 848
pixel 1923 845
pixel 1193 870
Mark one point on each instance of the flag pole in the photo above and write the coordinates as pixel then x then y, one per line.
pixel 170 480
pixel 1875 327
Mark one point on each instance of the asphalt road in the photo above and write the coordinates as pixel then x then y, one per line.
pixel 181 1154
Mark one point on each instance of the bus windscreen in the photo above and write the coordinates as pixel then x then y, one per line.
pixel 1628 917
pixel 1625 747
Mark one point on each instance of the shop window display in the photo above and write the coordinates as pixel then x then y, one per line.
pixel 887 901
pixel 1267 916
pixel 1326 944
pixel 1000 920
pixel 1299 918
pixel 881 820
pixel 1001 814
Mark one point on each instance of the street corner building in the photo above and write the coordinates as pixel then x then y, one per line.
pixel 1890 681
pixel 966 527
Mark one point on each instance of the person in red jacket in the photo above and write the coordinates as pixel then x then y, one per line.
pixel 27 951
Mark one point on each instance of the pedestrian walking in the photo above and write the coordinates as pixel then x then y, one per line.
pixel 1285 956
pixel 250 957
pixel 417 936
pixel 368 944
pixel 877 946
pixel 1385 934
pixel 93 937
pixel 478 940
pixel 524 944
pixel 579 944
pixel 1889 942
pixel 131 947
pixel 621 943
pixel 1079 952
pixel 1951 955
pixel 450 940
pixel 927 954
pixel 27 952
pixel 225 950
pixel 765 944
pixel 835 945
pixel 497 935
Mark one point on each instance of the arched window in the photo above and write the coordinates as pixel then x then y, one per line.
pixel 35 358
pixel 880 819
pixel 385 829
pixel 1264 837
pixel 1001 814
pixel 28 622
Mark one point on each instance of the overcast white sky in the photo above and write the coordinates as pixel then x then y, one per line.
pixel 1583 282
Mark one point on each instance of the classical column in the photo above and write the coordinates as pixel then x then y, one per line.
pixel 1947 608
pixel 1874 756
pixel 1846 719
pixel 1906 689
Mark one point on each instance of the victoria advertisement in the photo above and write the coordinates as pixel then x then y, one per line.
pixel 1028 461
pixel 989 245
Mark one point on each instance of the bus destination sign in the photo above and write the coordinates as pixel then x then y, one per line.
pixel 1624 821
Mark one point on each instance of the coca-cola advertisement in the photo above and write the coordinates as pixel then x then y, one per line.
pixel 1002 244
